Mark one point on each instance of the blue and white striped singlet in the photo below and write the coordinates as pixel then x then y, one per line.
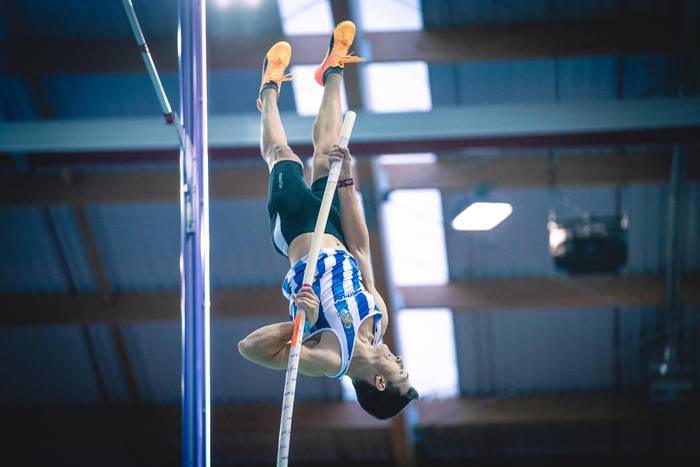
pixel 345 303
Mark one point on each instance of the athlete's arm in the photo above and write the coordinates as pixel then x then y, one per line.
pixel 354 227
pixel 269 346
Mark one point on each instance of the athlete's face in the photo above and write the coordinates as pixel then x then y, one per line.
pixel 390 370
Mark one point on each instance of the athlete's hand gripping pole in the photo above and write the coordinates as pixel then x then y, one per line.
pixel 290 381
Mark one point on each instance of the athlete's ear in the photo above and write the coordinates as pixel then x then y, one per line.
pixel 379 383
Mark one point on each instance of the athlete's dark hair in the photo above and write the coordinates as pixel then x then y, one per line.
pixel 382 404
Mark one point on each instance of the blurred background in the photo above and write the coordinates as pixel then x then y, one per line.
pixel 555 321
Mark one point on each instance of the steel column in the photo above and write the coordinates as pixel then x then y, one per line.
pixel 194 259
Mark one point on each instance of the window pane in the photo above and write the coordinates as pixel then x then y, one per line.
pixel 416 237
pixel 391 15
pixel 397 87
pixel 308 93
pixel 427 348
pixel 305 16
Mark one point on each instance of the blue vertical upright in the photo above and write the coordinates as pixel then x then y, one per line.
pixel 194 260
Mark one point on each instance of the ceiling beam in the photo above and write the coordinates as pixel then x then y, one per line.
pixel 581 123
pixel 467 173
pixel 137 306
pixel 262 417
pixel 268 302
pixel 468 43
pixel 139 186
pixel 556 292
pixel 461 174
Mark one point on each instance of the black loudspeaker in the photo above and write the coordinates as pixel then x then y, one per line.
pixel 589 245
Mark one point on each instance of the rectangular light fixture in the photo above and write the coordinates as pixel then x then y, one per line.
pixel 482 216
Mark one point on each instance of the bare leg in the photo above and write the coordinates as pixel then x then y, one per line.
pixel 327 125
pixel 273 139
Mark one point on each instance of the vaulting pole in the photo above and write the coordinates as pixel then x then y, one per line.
pixel 194 260
pixel 290 381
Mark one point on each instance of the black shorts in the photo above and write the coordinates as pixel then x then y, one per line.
pixel 293 206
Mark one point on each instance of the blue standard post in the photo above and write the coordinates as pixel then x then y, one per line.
pixel 194 260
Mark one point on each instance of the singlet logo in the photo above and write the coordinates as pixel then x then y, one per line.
pixel 346 318
pixel 280 184
pixel 348 295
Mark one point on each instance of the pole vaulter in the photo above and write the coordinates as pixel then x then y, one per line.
pixel 337 317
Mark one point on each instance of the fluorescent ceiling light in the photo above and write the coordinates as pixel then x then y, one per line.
pixel 482 216
pixel 391 15
pixel 307 92
pixel 301 17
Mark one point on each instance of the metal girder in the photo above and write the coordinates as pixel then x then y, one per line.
pixel 503 125
pixel 460 174
pixel 562 292
pixel 268 302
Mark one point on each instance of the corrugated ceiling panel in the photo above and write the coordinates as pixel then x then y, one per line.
pixel 645 76
pixel 158 18
pixel 113 95
pixel 3 28
pixel 519 246
pixel 30 261
pixel 241 248
pixel 72 18
pixel 692 224
pixel 73 245
pixel 586 78
pixel 155 351
pixel 548 79
pixel 139 244
pixel 646 207
pixel 506 81
pixel 235 379
pixel 477 12
pixel 46 366
pixel 108 362
pixel 653 8
pixel 237 90
pixel 16 99
pixel 550 350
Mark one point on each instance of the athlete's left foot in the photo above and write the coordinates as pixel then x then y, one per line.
pixel 337 55
pixel 273 69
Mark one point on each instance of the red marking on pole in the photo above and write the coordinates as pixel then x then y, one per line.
pixel 295 333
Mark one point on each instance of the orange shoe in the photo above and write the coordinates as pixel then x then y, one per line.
pixel 276 61
pixel 337 55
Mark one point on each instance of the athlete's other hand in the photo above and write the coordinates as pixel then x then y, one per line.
pixel 341 153
pixel 307 300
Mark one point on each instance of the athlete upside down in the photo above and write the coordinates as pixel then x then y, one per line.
pixel 346 316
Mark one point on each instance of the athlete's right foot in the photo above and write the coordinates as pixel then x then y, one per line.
pixel 337 55
pixel 276 61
